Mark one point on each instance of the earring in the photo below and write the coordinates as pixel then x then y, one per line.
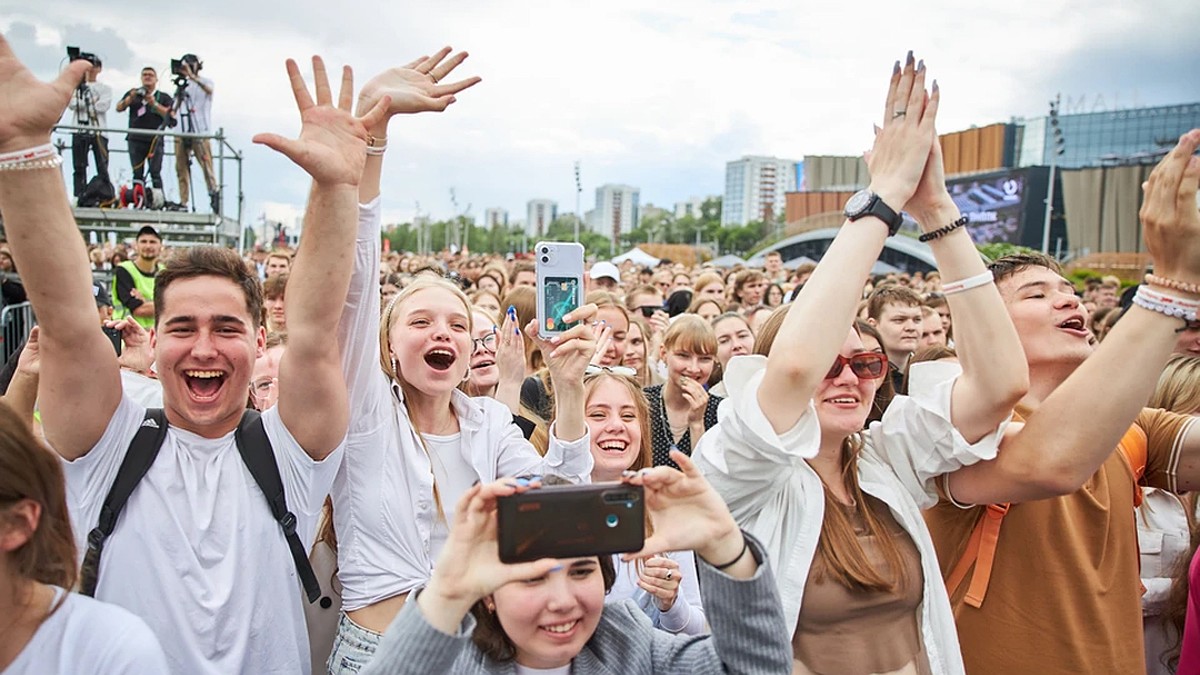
pixel 395 367
pixel 467 375
pixel 491 607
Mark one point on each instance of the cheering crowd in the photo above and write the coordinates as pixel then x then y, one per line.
pixel 939 473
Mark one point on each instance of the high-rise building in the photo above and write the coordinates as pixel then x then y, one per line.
pixel 754 188
pixel 539 213
pixel 617 210
pixel 495 217
pixel 1106 138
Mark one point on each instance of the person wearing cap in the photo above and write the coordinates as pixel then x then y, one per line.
pixel 604 276
pixel 133 280
pixel 195 117
pixel 90 109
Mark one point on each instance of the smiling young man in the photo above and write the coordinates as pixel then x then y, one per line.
pixel 196 551
pixel 1061 594
pixel 895 311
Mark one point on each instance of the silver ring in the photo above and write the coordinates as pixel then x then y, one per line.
pixel 433 77
pixel 668 575
pixel 899 113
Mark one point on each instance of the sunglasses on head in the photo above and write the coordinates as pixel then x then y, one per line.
pixel 865 366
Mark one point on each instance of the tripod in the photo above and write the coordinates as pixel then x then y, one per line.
pixel 83 142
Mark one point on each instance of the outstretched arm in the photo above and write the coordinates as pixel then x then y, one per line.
pixel 994 376
pixel 332 149
pixel 821 316
pixel 1075 429
pixel 80 385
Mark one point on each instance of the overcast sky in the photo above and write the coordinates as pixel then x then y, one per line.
pixel 656 98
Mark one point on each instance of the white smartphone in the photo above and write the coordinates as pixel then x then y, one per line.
pixel 559 284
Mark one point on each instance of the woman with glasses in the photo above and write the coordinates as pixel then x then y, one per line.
pixel 681 409
pixel 841 507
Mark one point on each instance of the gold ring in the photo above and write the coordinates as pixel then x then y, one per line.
pixel 899 113
pixel 668 575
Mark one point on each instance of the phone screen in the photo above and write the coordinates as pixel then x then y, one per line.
pixel 561 298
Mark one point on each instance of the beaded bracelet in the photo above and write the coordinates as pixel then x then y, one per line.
pixel 1164 282
pixel 967 284
pixel 943 231
pixel 1169 305
pixel 32 164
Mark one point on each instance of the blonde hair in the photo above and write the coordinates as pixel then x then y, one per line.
pixel 1178 388
pixel 705 280
pixel 692 333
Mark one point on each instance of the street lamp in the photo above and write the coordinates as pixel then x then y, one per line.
pixel 1058 149
pixel 578 191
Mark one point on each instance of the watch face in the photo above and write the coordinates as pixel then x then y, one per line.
pixel 858 203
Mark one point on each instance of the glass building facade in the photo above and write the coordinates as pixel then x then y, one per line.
pixel 1135 136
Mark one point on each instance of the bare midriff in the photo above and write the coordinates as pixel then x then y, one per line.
pixel 379 616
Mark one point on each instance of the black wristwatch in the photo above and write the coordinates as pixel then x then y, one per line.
pixel 866 203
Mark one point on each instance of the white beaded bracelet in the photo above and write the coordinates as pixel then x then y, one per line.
pixel 1170 305
pixel 31 164
pixel 40 157
pixel 967 284
pixel 376 151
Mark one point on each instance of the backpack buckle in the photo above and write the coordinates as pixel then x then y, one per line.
pixel 288 523
pixel 96 538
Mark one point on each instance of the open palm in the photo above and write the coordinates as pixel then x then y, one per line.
pixel 414 87
pixel 332 145
pixel 29 108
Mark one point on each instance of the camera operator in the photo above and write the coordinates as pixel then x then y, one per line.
pixel 90 109
pixel 195 115
pixel 148 109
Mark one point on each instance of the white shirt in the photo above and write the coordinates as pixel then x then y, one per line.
pixel 686 616
pixel 383 501
pixel 145 391
pixel 100 97
pixel 196 552
pixel 454 476
pixel 195 110
pixel 87 636
pixel 775 495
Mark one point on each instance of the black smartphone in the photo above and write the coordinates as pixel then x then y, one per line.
pixel 114 336
pixel 571 521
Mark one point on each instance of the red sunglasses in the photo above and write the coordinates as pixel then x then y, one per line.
pixel 865 366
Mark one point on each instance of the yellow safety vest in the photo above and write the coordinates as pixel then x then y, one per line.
pixel 143 284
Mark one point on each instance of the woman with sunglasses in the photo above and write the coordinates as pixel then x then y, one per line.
pixel 841 507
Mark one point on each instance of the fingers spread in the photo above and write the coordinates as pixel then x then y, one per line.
pixel 346 93
pixel 432 62
pixel 299 89
pixel 443 69
pixel 321 82
pixel 455 87
pixel 285 146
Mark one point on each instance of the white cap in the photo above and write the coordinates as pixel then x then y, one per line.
pixel 604 269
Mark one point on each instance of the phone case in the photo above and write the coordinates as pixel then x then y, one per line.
pixel 571 521
pixel 559 284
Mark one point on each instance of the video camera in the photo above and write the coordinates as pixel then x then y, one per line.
pixel 74 54
pixel 192 61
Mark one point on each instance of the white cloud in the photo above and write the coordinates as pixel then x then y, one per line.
pixel 657 97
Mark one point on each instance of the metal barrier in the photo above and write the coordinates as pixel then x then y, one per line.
pixel 15 323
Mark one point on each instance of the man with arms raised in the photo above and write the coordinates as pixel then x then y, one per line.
pixel 196 551
pixel 1061 594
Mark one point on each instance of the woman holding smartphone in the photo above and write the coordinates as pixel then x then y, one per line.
pixel 859 579
pixel 416 443
pixel 478 615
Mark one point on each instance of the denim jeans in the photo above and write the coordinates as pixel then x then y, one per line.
pixel 353 648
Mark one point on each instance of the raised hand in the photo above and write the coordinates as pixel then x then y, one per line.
pixel 931 191
pixel 510 352
pixel 568 354
pixel 333 142
pixel 686 511
pixel 30 360
pixel 901 150
pixel 1170 220
pixel 137 354
pixel 697 399
pixel 417 86
pixel 29 108
pixel 469 566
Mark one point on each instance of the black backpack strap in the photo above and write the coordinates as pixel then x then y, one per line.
pixel 259 457
pixel 142 451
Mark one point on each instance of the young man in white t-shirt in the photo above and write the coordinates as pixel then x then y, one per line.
pixel 196 552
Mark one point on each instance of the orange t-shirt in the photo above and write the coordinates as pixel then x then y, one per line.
pixel 1064 595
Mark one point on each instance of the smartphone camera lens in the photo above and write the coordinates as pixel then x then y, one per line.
pixel 611 520
pixel 545 249
pixel 545 258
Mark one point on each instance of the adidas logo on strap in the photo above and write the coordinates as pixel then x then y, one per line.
pixel 149 422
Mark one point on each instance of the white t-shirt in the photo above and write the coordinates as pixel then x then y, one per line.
pixel 196 552
pixel 197 106
pixel 454 476
pixel 87 636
